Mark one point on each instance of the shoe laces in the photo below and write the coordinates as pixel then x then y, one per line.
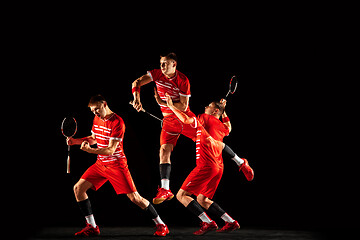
pixel 227 225
pixel 159 227
pixel 203 225
pixel 87 228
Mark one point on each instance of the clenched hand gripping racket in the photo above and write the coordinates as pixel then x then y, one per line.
pixel 68 129
pixel 173 125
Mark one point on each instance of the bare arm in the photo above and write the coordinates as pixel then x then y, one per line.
pixel 183 104
pixel 228 124
pixel 78 141
pixel 145 79
pixel 224 115
pixel 181 115
pixel 103 151
pixel 158 99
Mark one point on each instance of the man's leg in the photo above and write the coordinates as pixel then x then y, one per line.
pixel 215 209
pixel 241 162
pixel 83 201
pixel 165 164
pixel 193 206
pixel 164 192
pixel 80 189
pixel 233 155
pixel 161 228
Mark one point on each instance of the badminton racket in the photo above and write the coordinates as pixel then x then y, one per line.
pixel 68 129
pixel 169 124
pixel 232 86
pixel 143 110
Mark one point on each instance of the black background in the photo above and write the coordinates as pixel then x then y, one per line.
pixel 277 115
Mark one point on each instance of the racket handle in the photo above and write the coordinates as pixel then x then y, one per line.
pixel 227 95
pixel 131 103
pixel 68 164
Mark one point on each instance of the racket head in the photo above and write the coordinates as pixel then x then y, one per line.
pixel 172 125
pixel 233 84
pixel 69 127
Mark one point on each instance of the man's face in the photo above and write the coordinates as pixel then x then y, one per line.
pixel 99 109
pixel 211 109
pixel 168 66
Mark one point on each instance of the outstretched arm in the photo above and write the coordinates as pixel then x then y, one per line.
pixel 145 79
pixel 181 115
pixel 225 118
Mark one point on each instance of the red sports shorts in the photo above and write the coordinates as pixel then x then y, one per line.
pixel 119 177
pixel 203 180
pixel 172 127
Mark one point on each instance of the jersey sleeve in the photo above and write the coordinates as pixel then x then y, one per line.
pixel 118 131
pixel 184 87
pixel 223 130
pixel 154 74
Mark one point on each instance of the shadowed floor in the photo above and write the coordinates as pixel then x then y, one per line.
pixel 179 233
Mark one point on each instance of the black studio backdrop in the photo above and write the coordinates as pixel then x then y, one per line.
pixel 269 113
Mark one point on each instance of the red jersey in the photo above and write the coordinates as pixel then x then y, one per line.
pixel 208 151
pixel 104 131
pixel 214 126
pixel 176 86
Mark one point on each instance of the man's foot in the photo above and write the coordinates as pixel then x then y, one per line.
pixel 228 227
pixel 163 195
pixel 206 227
pixel 88 231
pixel 161 230
pixel 247 170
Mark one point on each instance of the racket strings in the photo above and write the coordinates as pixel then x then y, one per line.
pixel 172 125
pixel 233 84
pixel 69 127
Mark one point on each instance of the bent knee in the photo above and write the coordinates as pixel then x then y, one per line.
pixel 81 186
pixel 201 199
pixel 135 198
pixel 205 202
pixel 180 195
pixel 76 188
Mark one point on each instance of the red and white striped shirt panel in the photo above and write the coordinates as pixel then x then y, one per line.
pixel 176 86
pixel 208 150
pixel 106 130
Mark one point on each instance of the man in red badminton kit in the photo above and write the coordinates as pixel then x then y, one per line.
pixel 108 133
pixel 176 84
pixel 205 177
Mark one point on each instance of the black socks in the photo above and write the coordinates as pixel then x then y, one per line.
pixel 85 207
pixel 216 210
pixel 195 208
pixel 151 211
pixel 165 170
pixel 229 151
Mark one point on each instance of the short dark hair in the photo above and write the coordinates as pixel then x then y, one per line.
pixel 96 99
pixel 170 56
pixel 219 106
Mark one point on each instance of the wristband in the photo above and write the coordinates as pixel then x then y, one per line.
pixel 135 89
pixel 225 119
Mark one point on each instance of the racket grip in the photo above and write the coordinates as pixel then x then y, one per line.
pixel 131 103
pixel 68 164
